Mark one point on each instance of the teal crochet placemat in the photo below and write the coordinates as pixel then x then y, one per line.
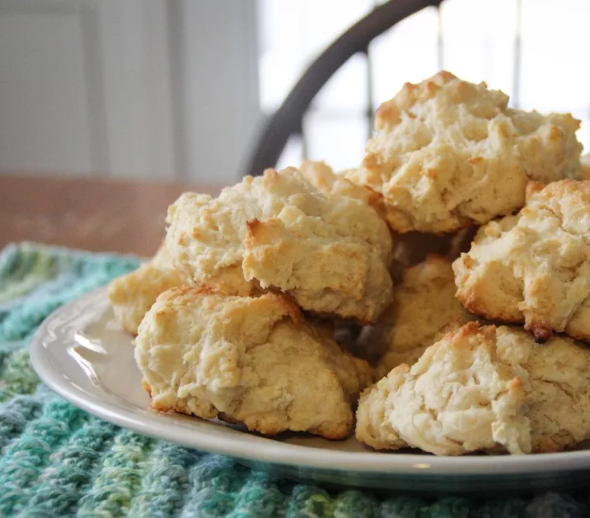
pixel 57 460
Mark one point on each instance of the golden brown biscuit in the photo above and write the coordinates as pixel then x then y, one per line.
pixel 423 305
pixel 534 267
pixel 133 294
pixel 322 272
pixel 556 378
pixel 325 180
pixel 448 153
pixel 410 248
pixel 483 388
pixel 458 398
pixel 585 161
pixel 247 360
pixel 277 232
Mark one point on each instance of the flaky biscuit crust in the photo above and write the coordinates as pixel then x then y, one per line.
pixel 556 378
pixel 325 180
pixel 483 388
pixel 585 161
pixel 329 252
pixel 132 295
pixel 534 267
pixel 424 304
pixel 448 153
pixel 459 397
pixel 247 360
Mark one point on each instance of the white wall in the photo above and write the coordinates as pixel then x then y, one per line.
pixel 134 54
pixel 46 111
pixel 220 84
pixel 137 88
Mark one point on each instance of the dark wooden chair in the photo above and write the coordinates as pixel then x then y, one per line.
pixel 288 119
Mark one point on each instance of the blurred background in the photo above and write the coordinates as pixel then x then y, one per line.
pixel 178 89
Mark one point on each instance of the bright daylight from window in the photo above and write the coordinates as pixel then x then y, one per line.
pixel 474 39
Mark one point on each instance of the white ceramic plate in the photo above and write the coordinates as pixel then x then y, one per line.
pixel 83 354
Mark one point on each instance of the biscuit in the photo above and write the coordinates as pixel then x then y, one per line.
pixel 585 161
pixel 132 295
pixel 556 377
pixel 408 249
pixel 423 305
pixel 277 232
pixel 247 360
pixel 534 267
pixel 448 153
pixel 483 388
pixel 325 180
pixel 459 397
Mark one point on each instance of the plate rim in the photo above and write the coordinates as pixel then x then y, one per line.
pixel 280 453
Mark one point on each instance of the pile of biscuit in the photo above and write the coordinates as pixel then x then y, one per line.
pixel 441 289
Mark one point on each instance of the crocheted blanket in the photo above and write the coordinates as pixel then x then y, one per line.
pixel 57 460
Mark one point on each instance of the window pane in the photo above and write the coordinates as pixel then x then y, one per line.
pixel 407 52
pixel 554 72
pixel 282 49
pixel 293 34
pixel 347 89
pixel 338 140
pixel 327 19
pixel 554 67
pixel 480 51
pixel 292 154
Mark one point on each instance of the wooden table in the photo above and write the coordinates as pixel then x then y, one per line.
pixel 90 214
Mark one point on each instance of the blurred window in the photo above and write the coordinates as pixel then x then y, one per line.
pixel 534 50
